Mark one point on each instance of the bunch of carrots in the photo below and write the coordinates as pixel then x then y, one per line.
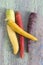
pixel 14 25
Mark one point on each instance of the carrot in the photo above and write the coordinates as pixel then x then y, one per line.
pixel 21 38
pixel 32 19
pixel 10 15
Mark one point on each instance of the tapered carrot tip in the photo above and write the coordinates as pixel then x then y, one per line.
pixel 36 39
pixel 22 56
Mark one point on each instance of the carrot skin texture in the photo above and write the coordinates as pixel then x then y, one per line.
pixel 21 38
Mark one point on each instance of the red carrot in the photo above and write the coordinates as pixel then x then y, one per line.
pixel 21 38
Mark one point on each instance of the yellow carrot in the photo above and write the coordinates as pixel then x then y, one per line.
pixel 10 15
pixel 13 39
pixel 20 31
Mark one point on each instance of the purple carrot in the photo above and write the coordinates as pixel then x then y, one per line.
pixel 30 25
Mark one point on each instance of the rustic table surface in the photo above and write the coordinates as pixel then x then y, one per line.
pixel 35 56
